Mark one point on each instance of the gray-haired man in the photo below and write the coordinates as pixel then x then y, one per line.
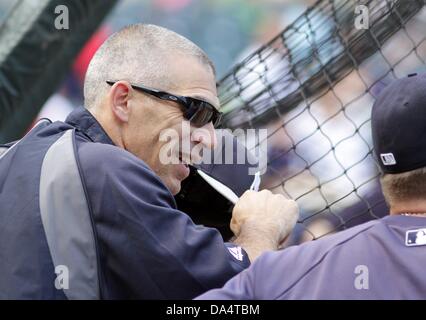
pixel 86 206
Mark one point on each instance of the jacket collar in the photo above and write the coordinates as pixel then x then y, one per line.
pixel 85 122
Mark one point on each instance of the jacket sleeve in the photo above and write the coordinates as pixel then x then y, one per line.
pixel 269 277
pixel 148 248
pixel 240 287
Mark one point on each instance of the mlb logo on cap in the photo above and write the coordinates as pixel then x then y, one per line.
pixel 388 159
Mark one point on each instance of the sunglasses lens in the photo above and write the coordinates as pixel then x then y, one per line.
pixel 217 119
pixel 199 113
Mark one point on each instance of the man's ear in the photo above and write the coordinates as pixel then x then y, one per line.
pixel 119 97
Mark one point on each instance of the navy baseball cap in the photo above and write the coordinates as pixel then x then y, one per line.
pixel 398 124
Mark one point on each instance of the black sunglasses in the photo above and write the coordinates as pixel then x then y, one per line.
pixel 198 112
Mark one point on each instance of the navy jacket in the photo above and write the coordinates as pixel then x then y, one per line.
pixel 132 243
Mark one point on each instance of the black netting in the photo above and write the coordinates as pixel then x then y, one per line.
pixel 313 87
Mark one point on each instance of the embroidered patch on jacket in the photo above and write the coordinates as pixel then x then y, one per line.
pixel 415 237
pixel 236 252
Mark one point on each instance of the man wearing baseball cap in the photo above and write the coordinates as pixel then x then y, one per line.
pixel 381 259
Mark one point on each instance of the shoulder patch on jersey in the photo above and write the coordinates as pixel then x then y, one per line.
pixel 416 237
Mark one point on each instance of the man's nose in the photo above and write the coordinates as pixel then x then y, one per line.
pixel 205 135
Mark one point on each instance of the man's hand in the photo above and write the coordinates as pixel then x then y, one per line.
pixel 262 220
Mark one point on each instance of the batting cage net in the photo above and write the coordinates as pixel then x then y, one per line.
pixel 312 87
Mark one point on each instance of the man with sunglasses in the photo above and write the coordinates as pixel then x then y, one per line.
pixel 87 207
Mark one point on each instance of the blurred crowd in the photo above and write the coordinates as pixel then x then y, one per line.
pixel 320 151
